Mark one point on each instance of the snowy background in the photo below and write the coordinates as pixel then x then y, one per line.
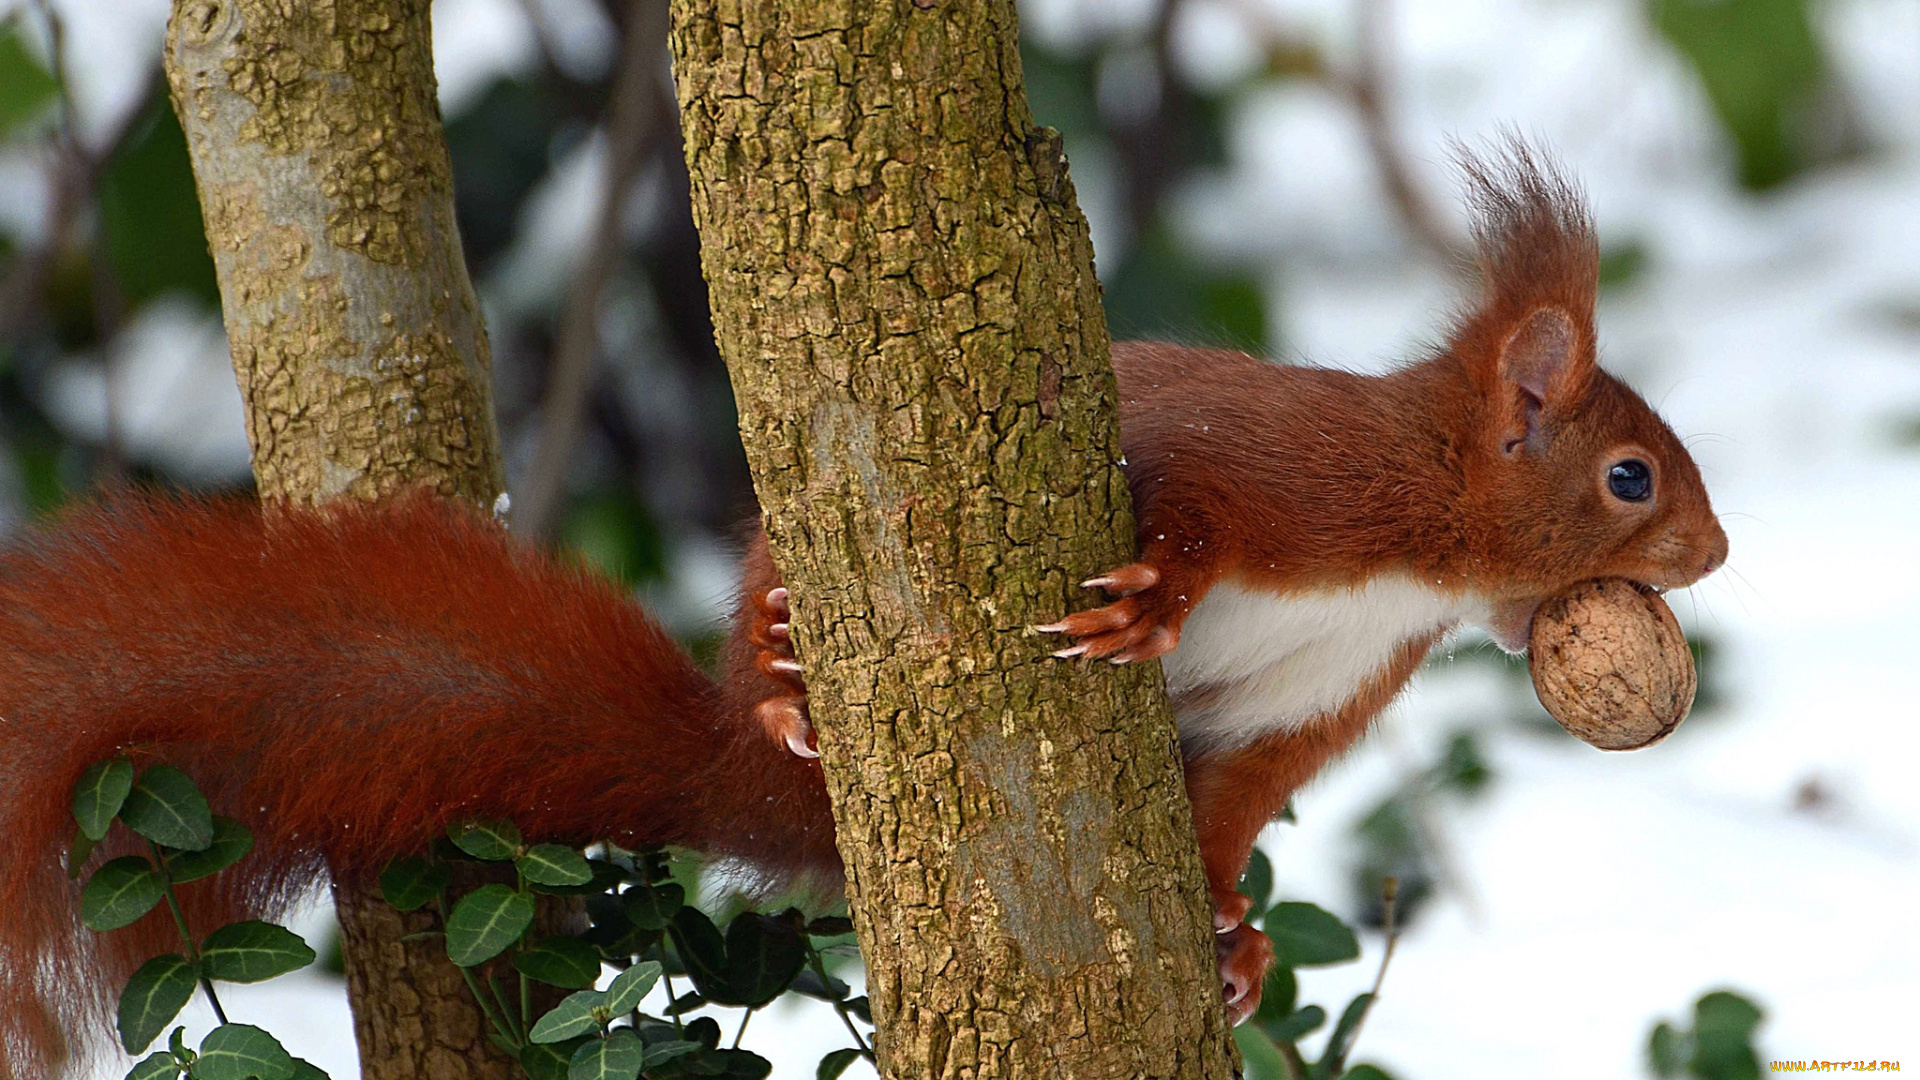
pixel 1771 312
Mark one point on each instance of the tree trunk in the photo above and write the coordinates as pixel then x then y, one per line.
pixel 315 134
pixel 323 176
pixel 903 289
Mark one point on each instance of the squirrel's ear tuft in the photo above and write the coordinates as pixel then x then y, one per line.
pixel 1529 341
pixel 1532 234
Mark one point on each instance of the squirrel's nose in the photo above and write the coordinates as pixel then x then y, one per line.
pixel 1716 545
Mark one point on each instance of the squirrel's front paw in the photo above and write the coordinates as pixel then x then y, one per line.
pixel 1131 628
pixel 1244 954
pixel 783 715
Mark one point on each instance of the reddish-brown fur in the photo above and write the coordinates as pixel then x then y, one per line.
pixel 347 684
pixel 1479 470
pixel 350 682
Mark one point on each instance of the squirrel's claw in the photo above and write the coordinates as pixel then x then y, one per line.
pixel 1122 632
pixel 1244 955
pixel 784 716
pixel 1125 581
pixel 785 719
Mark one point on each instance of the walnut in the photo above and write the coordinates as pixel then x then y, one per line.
pixel 1610 664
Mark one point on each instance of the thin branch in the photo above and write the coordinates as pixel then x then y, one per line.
pixel 1390 890
pixel 73 173
pixel 542 37
pixel 1367 89
pixel 638 121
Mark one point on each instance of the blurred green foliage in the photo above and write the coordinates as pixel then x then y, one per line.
pixel 1160 285
pixel 501 148
pixel 1395 839
pixel 613 532
pixel 151 213
pixel 1762 68
pixel 1303 935
pixel 1719 1045
pixel 26 88
pixel 1162 291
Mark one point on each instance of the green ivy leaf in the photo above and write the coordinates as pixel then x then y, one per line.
pixel 485 922
pixel 631 985
pixel 735 1064
pixel 77 854
pixel 410 882
pixel 1305 936
pixel 813 986
pixel 652 907
pixel 1295 1026
pixel 861 1008
pixel 702 951
pixel 1366 1072
pixel 548 1061
pixel 242 1052
pixel 830 926
pixel 551 864
pixel 604 876
pixel 158 1066
pixel 576 1014
pixel 764 953
pixel 662 1052
pixel 154 996
pixel 836 1063
pixel 685 1003
pixel 488 841
pixel 120 892
pixel 1279 993
pixel 619 1056
pixel 1334 1059
pixel 165 807
pixel 231 842
pixel 705 1031
pixel 307 1070
pixel 561 961
pixel 99 794
pixel 252 951
pixel 1761 64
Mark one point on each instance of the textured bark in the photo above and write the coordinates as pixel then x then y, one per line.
pixel 902 287
pixel 323 176
pixel 315 135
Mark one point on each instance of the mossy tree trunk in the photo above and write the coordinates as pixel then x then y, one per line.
pixel 903 289
pixel 316 141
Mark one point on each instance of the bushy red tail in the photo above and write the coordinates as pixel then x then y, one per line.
pixel 347 683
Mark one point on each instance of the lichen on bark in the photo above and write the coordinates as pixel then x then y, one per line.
pixel 902 287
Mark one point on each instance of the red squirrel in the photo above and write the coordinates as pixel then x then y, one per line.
pixel 350 681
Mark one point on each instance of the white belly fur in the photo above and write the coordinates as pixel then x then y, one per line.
pixel 1251 663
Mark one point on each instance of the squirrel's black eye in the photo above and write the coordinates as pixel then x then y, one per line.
pixel 1630 480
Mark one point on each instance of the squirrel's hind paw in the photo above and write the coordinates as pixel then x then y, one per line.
pixel 1244 954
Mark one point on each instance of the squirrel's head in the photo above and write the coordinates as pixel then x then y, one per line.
pixel 1569 474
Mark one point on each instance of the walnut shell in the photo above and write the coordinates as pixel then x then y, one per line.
pixel 1610 664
